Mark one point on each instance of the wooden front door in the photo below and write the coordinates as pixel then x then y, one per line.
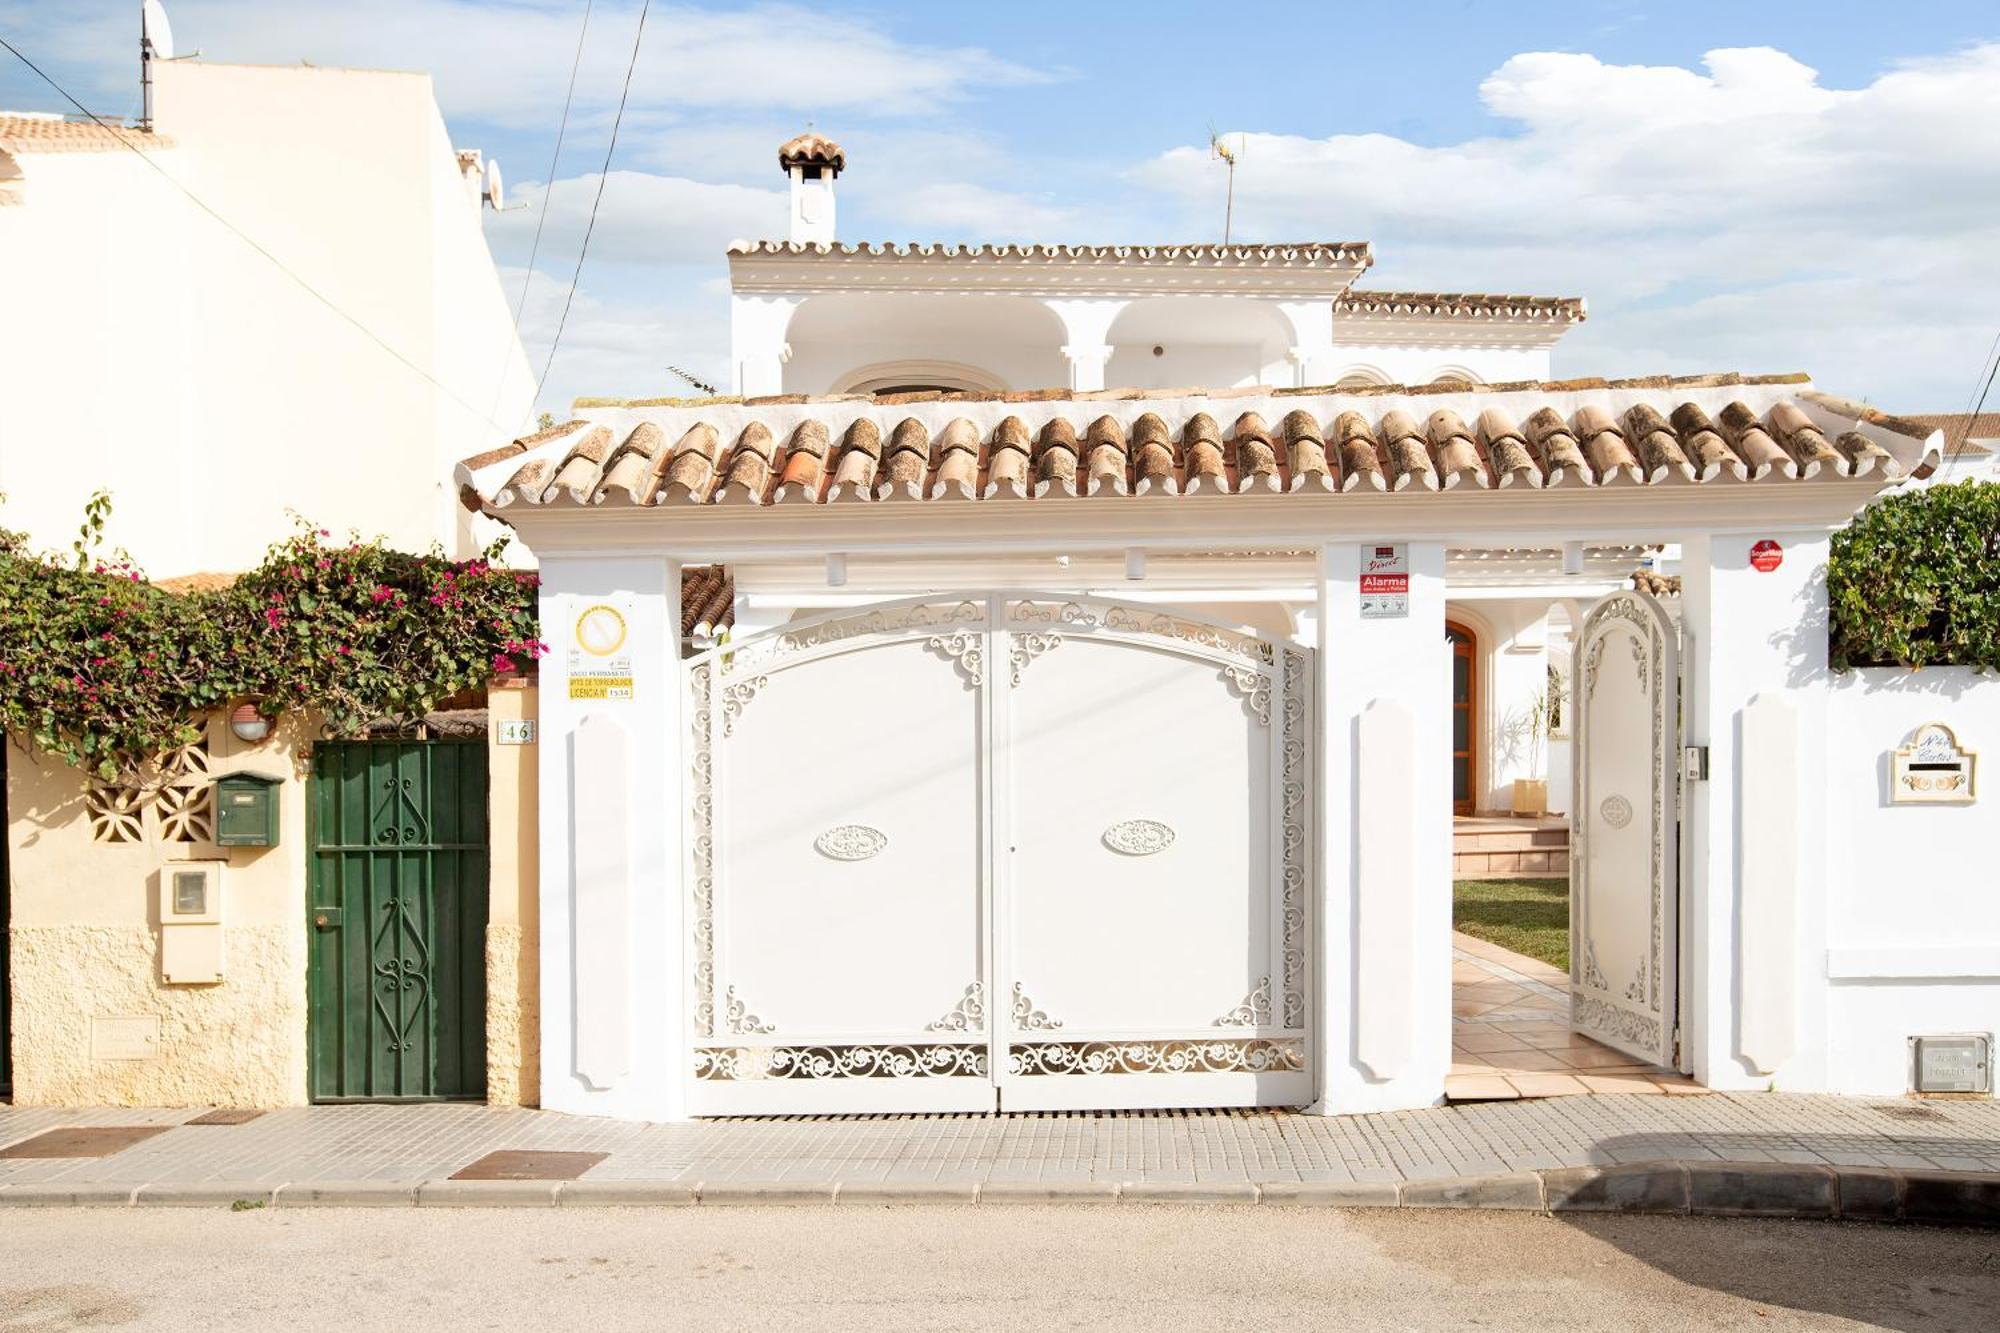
pixel 396 916
pixel 1464 716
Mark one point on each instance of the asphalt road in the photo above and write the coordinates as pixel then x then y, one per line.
pixel 987 1268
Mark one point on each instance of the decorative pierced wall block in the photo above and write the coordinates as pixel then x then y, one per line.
pixel 850 842
pixel 1255 1055
pixel 1253 1011
pixel 745 1063
pixel 1138 837
pixel 968 1015
pixel 186 814
pixel 115 813
pixel 1028 1018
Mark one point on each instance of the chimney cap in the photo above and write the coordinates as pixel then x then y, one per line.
pixel 812 150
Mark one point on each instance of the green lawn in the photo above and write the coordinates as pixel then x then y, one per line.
pixel 1529 916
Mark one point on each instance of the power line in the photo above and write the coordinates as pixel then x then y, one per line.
pixel 1952 451
pixel 603 175
pixel 312 291
pixel 561 129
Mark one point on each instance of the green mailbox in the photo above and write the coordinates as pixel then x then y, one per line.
pixel 246 810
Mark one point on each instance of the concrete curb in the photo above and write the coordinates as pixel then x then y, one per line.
pixel 1666 1188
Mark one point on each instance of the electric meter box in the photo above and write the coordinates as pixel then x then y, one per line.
pixel 246 810
pixel 191 923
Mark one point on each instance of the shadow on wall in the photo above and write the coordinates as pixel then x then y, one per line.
pixel 34 778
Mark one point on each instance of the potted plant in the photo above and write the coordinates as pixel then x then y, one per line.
pixel 1531 795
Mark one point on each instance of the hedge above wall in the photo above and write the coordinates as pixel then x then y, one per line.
pixel 1914 581
pixel 107 671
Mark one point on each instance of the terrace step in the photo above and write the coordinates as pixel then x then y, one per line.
pixel 1501 847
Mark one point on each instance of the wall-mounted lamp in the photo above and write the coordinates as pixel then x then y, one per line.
pixel 248 724
pixel 836 570
pixel 1135 563
pixel 1572 558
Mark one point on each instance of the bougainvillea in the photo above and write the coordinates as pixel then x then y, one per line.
pixel 1914 580
pixel 105 670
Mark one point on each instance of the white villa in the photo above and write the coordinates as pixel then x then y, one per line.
pixel 1116 632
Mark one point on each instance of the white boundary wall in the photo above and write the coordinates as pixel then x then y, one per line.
pixel 1913 909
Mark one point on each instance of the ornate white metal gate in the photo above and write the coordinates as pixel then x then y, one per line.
pixel 1018 850
pixel 1625 846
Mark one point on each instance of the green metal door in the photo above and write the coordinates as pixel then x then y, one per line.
pixel 397 920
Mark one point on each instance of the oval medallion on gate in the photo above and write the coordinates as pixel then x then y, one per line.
pixel 851 842
pixel 1138 837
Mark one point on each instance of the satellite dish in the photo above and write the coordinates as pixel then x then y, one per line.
pixel 156 34
pixel 494 194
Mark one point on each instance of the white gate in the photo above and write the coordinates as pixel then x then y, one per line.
pixel 1625 847
pixel 1017 850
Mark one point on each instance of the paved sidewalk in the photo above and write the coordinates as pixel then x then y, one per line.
pixel 397 1148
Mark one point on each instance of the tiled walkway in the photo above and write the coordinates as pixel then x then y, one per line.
pixel 409 1144
pixel 1510 1035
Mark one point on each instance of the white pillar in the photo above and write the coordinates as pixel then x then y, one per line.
pixel 1756 692
pixel 1087 341
pixel 1384 948
pixel 757 347
pixel 1311 350
pixel 612 932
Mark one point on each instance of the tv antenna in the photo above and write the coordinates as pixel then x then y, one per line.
pixel 703 385
pixel 1220 147
pixel 156 42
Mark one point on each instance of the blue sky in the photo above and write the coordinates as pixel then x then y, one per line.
pixel 1759 187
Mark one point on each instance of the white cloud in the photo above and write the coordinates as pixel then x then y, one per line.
pixel 509 63
pixel 1742 218
pixel 644 219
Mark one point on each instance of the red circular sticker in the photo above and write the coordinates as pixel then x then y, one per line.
pixel 1766 556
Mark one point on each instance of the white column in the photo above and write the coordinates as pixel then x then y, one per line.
pixel 1756 691
pixel 1311 351
pixel 612 998
pixel 1087 338
pixel 1384 950
pixel 757 347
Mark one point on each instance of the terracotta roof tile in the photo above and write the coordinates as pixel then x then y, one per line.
pixel 811 150
pixel 939 448
pixel 49 134
pixel 1462 305
pixel 708 599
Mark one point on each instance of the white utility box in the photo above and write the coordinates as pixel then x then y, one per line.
pixel 191 923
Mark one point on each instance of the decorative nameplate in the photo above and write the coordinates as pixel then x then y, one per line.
pixel 851 842
pixel 1138 837
pixel 1933 769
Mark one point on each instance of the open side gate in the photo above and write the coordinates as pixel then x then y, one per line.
pixel 1625 829
pixel 1018 850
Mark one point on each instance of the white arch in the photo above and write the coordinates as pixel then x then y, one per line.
pixel 1454 375
pixel 880 375
pixel 1361 375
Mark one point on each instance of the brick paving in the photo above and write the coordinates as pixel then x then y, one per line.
pixel 1510 1035
pixel 413 1143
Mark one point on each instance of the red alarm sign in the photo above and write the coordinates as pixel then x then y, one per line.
pixel 1766 556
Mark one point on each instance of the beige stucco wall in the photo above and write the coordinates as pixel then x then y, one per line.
pixel 84 946
pixel 513 931
pixel 84 943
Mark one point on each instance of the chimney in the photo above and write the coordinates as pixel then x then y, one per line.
pixel 813 162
